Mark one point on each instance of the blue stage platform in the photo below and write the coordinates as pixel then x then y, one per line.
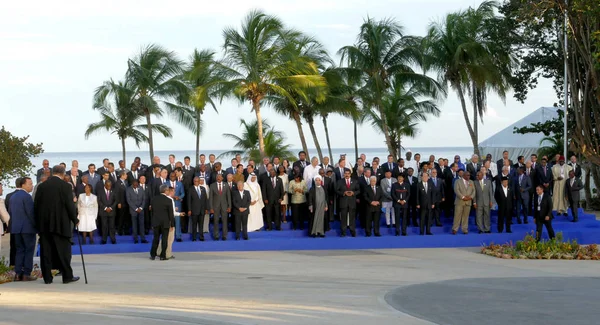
pixel 586 231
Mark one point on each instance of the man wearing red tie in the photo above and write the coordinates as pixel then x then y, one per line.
pixel 347 190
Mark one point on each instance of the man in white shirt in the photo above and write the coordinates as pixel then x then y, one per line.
pixel 311 171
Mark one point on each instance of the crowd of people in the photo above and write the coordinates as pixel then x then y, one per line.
pixel 177 198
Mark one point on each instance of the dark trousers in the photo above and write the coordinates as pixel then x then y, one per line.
pixel 448 207
pixel 223 216
pixel 137 225
pixel 147 220
pixel 13 251
pixel 241 224
pixel 574 209
pixel 108 228
pixel 425 224
pixel 123 220
pixel 539 228
pixel 435 214
pixel 25 249
pixel 55 250
pixel 348 219
pixel 297 210
pixel 504 218
pixel 185 223
pixel 328 217
pixel 401 211
pixel 160 233
pixel 413 213
pixel 198 220
pixel 273 213
pixel 522 208
pixel 373 220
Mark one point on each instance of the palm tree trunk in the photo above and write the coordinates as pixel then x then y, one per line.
pixel 327 137
pixel 150 137
pixel 197 137
pixel 476 120
pixel 311 126
pixel 386 130
pixel 355 139
pixel 399 148
pixel 301 132
pixel 259 122
pixel 123 147
pixel 461 96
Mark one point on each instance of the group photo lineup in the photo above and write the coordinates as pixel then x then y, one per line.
pixel 322 162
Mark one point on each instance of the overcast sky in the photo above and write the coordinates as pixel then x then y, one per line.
pixel 55 53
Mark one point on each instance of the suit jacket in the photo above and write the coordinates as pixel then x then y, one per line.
pixel 104 202
pixel 99 187
pixel 463 191
pixel 371 196
pixel 413 188
pixel 170 168
pixel 131 177
pixel 79 173
pixel 545 208
pixel 473 168
pixel 220 202
pixel 76 182
pixel 425 198
pixel 209 167
pixel 525 186
pixel 577 169
pixel 338 174
pixel 386 186
pixel 500 164
pixel 573 191
pixel 329 185
pixel 483 195
pixel 39 174
pixel 347 201
pixel 154 184
pixel 179 192
pixel 206 176
pixel 400 171
pixel 213 176
pixel 440 192
pixel 93 180
pixel 21 210
pixel 270 193
pixel 385 167
pixel 230 170
pixel 238 202
pixel 544 175
pixel 505 202
pixel 80 188
pixel 400 192
pixel 134 200
pixel 120 190
pixel 532 177
pixel 54 209
pixel 101 171
pixel 198 205
pixel 163 215
pixel 148 195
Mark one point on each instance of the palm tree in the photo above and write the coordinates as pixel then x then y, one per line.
pixel 259 64
pixel 117 107
pixel 205 76
pixel 247 143
pixel 469 61
pixel 155 75
pixel 550 145
pixel 381 53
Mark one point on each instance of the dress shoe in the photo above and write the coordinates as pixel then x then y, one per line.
pixel 18 278
pixel 73 279
pixel 481 232
pixel 574 220
pixel 438 224
pixel 178 240
pixel 454 232
pixel 322 235
pixel 164 259
pixel 245 238
pixel 216 239
pixel 429 234
pixel 224 238
pixel 343 235
pixel 237 238
pixel 509 231
pixel 368 235
pixel 29 278
pixel 403 234
pixel 377 235
pixel 114 242
pixel 397 233
pixel 48 282
pixel 135 241
pixel 103 242
pixel 201 239
pixel 144 241
pixel 465 232
pixel 194 239
pixel 565 214
pixel 389 226
pixel 519 221
pixel 421 234
pixel 152 258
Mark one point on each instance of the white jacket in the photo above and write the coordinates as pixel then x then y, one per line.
pixel 4 216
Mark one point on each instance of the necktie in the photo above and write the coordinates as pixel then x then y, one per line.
pixel 198 191
pixel 107 195
pixel 220 191
pixel 229 184
pixel 520 180
pixel 435 181
pixel 135 175
pixel 113 175
pixel 425 186
pixel 390 166
pixel 466 183
pixel 273 179
pixel 539 201
pixel 347 183
pixel 481 183
pixel 136 191
pixel 374 191
pixel 572 181
pixel 173 184
pixel 544 171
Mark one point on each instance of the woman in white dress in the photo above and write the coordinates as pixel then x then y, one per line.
pixel 255 218
pixel 285 179
pixel 87 206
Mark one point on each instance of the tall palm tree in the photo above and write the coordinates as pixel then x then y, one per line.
pixel 247 143
pixel 258 58
pixel 550 145
pixel 381 53
pixel 205 77
pixel 116 105
pixel 469 61
pixel 155 75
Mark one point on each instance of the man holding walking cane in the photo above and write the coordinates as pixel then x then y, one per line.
pixel 54 212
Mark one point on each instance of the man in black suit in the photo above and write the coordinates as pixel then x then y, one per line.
pixel 100 185
pixel 217 170
pixel 473 166
pixel 13 244
pixel 301 162
pixel 123 219
pixel 500 162
pixel 439 197
pixel 170 167
pixel 504 197
pixel 400 196
pixel 425 203
pixel 347 191
pixel 363 206
pixel 573 186
pixel 575 166
pixel 54 216
pixel 133 174
pixel 104 167
pixel 273 192
pixel 520 163
pixel 544 176
pixel 197 208
pixel 40 172
pixel 412 203
pixel 163 219
pixel 149 195
pixel 400 169
pixel 373 195
pixel 543 213
pixel 240 201
pixel 107 209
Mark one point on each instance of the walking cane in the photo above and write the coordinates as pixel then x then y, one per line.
pixel 81 252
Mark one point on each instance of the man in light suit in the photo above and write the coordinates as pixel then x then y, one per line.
pixel 241 204
pixel 465 193
pixel 522 185
pixel 220 205
pixel 574 185
pixel 484 200
pixel 387 201
pixel 136 199
pixel 93 177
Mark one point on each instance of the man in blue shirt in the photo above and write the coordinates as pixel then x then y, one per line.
pixel 23 228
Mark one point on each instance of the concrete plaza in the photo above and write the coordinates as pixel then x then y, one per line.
pixel 406 286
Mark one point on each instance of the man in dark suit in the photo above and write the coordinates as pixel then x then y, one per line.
pixel 504 197
pixel 347 191
pixel 412 203
pixel 197 208
pixel 162 220
pixel 210 165
pixel 544 176
pixel 217 170
pixel 273 192
pixel 373 196
pixel 55 216
pixel 522 186
pixel 240 200
pixel 439 197
pixel 450 174
pixel 40 172
pixel 133 174
pixel 136 200
pixel 473 166
pixel 233 168
pixel 301 163
pixel 13 245
pixel 400 169
pixel 500 162
pixel 532 174
pixel 123 217
pixel 104 167
pixel 220 205
pixel 425 203
pixel 573 187
pixel 575 166
pixel 148 194
pixel 543 213
pixel 23 229
pixel 170 167
pixel 400 197
pixel 99 187
pixel 107 210
pixel 390 165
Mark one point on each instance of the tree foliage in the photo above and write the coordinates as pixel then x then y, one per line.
pixel 15 155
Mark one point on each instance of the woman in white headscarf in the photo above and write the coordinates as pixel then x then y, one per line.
pixel 255 218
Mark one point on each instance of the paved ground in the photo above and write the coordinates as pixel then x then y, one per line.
pixel 411 286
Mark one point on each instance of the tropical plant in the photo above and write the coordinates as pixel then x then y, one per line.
pixel 205 77
pixel 550 145
pixel 259 64
pixel 463 50
pixel 119 115
pixel 15 155
pixel 155 75
pixel 383 52
pixel 247 143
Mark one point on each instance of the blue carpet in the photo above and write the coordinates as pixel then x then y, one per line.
pixel 586 231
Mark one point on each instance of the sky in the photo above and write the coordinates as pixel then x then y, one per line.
pixel 55 53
